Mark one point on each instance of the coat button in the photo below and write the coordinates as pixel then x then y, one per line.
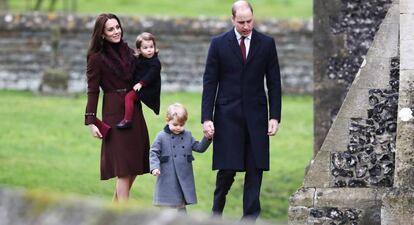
pixel 175 156
pixel 183 146
pixel 173 146
pixel 172 137
pixel 182 138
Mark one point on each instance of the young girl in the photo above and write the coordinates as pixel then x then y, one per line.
pixel 147 79
pixel 171 161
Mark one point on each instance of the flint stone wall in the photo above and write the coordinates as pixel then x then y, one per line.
pixel 26 48
pixel 355 166
pixel 344 31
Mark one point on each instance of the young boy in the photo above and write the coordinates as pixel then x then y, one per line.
pixel 147 79
pixel 171 161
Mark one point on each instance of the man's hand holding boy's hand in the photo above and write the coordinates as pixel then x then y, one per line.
pixel 208 129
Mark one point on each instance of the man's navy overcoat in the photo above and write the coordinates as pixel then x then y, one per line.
pixel 235 99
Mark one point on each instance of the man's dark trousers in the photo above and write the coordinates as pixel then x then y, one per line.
pixel 252 184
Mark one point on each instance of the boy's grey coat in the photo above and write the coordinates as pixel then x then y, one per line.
pixel 172 155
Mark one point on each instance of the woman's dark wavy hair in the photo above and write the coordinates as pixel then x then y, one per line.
pixel 96 43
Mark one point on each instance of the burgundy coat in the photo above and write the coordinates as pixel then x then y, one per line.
pixel 123 152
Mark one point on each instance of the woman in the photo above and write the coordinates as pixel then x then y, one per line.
pixel 110 66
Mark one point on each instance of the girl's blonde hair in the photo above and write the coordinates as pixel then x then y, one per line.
pixel 145 36
pixel 177 112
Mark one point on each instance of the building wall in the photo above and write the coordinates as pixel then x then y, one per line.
pixel 344 31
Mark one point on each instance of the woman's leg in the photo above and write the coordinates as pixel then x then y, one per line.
pixel 131 180
pixel 122 188
pixel 123 185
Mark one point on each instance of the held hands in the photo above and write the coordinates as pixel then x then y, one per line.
pixel 137 87
pixel 208 129
pixel 156 172
pixel 273 127
pixel 95 131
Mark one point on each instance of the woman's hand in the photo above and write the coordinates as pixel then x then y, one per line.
pixel 95 131
pixel 156 172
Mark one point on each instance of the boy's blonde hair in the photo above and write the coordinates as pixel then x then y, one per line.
pixel 177 112
pixel 145 36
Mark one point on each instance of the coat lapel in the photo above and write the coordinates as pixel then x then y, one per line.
pixel 254 45
pixel 234 45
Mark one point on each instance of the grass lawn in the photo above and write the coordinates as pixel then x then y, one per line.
pixel 263 8
pixel 45 146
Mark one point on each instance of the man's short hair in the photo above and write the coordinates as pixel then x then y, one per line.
pixel 237 6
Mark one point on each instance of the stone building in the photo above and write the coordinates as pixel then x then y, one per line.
pixel 363 172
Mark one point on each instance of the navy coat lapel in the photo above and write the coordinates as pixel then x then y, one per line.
pixel 254 45
pixel 234 44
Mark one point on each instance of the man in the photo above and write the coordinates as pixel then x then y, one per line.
pixel 234 107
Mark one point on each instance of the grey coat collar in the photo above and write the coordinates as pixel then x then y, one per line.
pixel 168 131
